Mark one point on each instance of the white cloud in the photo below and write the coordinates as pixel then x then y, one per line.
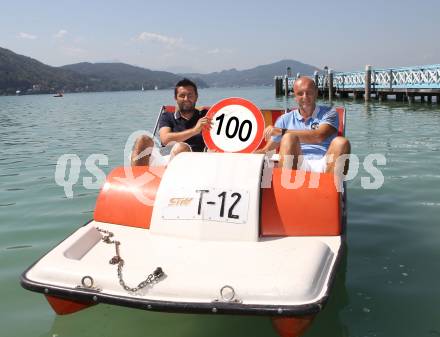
pixel 61 33
pixel 216 51
pixel 22 35
pixel 170 42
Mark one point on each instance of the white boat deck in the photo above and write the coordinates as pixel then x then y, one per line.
pixel 271 271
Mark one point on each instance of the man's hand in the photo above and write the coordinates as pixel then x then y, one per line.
pixel 203 123
pixel 270 131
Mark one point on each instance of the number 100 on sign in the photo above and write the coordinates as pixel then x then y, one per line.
pixel 237 127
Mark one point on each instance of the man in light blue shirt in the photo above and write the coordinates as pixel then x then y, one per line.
pixel 308 133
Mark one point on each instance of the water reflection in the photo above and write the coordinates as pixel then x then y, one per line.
pixel 329 322
pixel 6 122
pixel 113 321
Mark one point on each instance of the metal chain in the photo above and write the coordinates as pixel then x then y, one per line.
pixel 117 259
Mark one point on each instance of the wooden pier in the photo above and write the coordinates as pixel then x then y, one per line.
pixel 420 83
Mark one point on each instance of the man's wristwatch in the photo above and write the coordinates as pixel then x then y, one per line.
pixel 283 131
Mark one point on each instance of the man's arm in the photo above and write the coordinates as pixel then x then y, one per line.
pixel 167 136
pixel 306 136
pixel 270 146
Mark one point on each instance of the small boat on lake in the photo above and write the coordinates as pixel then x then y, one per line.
pixel 60 94
pixel 212 241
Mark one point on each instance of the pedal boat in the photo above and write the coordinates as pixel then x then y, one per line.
pixel 218 233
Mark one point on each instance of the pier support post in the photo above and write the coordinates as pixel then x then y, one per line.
pixel 330 85
pixel 429 98
pixel 277 86
pixel 391 78
pixel 316 78
pixel 286 88
pixel 280 84
pixel 367 82
pixel 399 97
pixel 343 93
pixel 325 82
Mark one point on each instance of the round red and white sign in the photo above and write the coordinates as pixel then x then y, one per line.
pixel 237 126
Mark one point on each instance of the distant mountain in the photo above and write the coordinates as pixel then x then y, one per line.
pixel 258 76
pixel 180 69
pixel 29 76
pixel 117 75
pixel 18 72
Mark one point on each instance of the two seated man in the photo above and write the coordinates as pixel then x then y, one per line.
pixel 307 136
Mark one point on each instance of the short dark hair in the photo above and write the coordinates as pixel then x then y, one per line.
pixel 185 83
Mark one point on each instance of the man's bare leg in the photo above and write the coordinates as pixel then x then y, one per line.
pixel 140 156
pixel 338 147
pixel 290 145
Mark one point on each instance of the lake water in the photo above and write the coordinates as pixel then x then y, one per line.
pixel 388 285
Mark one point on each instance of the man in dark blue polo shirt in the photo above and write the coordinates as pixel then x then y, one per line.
pixel 183 128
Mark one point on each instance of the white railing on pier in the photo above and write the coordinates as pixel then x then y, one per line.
pixel 419 77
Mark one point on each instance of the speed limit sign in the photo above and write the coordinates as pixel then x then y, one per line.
pixel 237 126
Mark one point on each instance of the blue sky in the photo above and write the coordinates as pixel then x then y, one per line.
pixel 207 36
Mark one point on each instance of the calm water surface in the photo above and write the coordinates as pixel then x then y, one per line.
pixel 388 285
